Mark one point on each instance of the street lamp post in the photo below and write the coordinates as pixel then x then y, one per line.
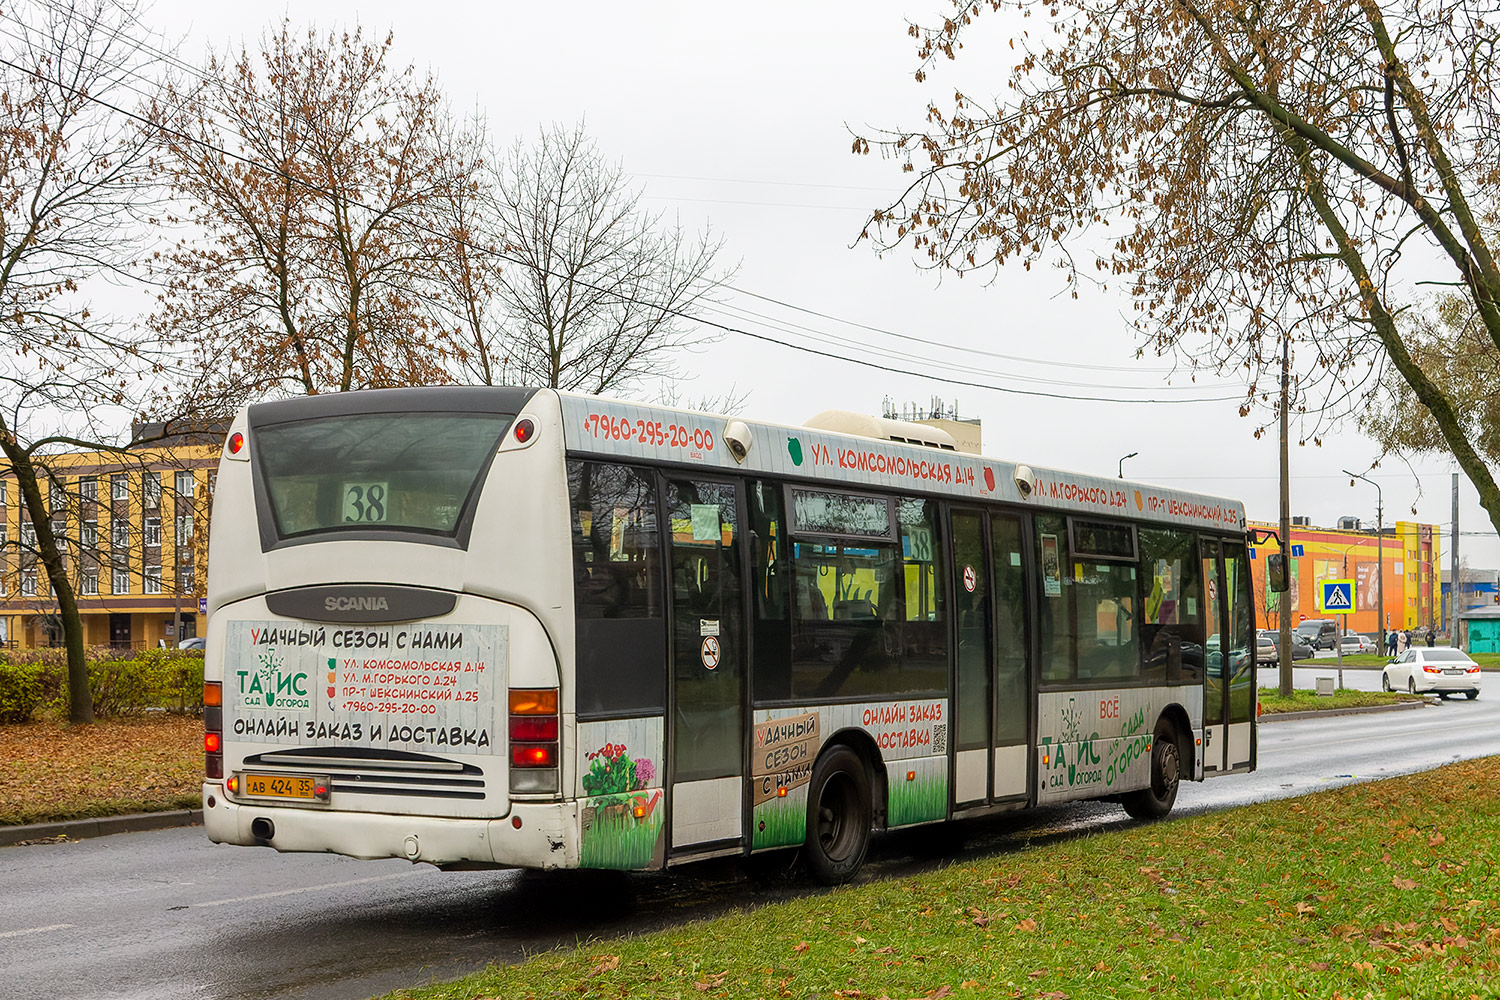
pixel 1379 552
pixel 1121 468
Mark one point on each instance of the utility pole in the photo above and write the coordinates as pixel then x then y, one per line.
pixel 1454 586
pixel 1284 646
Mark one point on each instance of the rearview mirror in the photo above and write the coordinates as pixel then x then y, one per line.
pixel 1276 573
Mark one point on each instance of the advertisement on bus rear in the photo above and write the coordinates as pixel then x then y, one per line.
pixel 411 687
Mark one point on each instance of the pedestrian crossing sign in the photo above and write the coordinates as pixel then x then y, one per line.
pixel 1336 597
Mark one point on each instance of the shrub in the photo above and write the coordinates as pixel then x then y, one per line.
pixel 20 691
pixel 120 682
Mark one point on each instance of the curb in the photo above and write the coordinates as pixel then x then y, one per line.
pixel 1324 713
pixel 99 826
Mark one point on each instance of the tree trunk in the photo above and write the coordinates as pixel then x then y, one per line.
pixel 80 701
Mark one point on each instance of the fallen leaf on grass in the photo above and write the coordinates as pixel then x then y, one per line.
pixel 801 947
pixel 606 963
pixel 1436 840
pixel 712 982
pixel 1403 883
pixel 1026 925
pixel 1303 909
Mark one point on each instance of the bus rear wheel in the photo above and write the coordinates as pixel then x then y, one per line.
pixel 1156 801
pixel 839 815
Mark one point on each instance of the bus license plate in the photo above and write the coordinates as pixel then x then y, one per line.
pixel 281 786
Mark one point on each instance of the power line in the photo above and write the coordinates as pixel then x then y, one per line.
pixel 222 151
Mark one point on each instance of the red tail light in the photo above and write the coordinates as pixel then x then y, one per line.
pixel 533 754
pixel 1431 670
pixel 213 729
pixel 524 431
pixel 533 729
pixel 534 733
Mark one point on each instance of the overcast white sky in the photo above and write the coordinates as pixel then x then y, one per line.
pixel 738 116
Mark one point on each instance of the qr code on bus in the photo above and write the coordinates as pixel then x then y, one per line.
pixel 939 737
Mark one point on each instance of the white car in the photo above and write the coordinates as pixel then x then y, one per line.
pixel 1353 642
pixel 1432 668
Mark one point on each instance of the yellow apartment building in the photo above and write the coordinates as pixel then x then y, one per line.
pixel 133 528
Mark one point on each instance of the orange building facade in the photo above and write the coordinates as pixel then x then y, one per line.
pixel 1412 578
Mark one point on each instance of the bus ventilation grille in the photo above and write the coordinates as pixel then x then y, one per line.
pixel 378 772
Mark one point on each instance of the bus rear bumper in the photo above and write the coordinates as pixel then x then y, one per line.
pixel 546 835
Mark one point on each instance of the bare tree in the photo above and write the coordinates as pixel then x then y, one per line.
pixel 308 169
pixel 74 199
pixel 595 292
pixel 1281 169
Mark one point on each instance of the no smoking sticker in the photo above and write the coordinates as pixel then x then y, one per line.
pixel 970 580
pixel 710 652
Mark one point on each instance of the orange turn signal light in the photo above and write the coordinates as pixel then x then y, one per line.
pixel 533 701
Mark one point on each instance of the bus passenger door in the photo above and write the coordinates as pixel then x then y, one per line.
pixel 705 736
pixel 1229 694
pixel 972 690
pixel 992 696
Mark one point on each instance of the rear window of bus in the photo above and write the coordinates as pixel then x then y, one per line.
pixel 409 472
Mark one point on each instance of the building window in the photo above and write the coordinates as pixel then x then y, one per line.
pixel 88 488
pixel 88 534
pixel 90 585
pixel 60 533
pixel 184 530
pixel 153 532
pixel 184 484
pixel 119 486
pixel 185 581
pixel 119 533
pixel 28 583
pixel 28 534
pixel 153 580
pixel 121 581
pixel 4 490
pixel 151 489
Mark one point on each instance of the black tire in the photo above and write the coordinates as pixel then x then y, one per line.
pixel 1166 774
pixel 1471 695
pixel 1385 681
pixel 1411 685
pixel 839 814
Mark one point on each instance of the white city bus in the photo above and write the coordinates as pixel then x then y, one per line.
pixel 480 626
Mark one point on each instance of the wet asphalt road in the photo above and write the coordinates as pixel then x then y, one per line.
pixel 168 916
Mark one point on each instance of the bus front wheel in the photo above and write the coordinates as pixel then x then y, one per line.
pixel 1156 801
pixel 839 815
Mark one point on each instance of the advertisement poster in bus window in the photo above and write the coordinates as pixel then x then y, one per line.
pixel 415 687
pixel 1051 567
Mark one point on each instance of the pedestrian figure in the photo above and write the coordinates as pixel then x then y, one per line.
pixel 1407 635
pixel 1390 641
pixel 1431 636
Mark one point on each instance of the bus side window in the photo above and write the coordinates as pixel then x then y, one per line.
pixel 617 590
pixel 1172 628
pixel 773 590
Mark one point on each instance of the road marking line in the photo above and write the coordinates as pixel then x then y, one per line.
pixel 305 888
pixel 35 930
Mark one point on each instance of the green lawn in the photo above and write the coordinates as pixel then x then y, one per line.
pixel 1387 889
pixel 1271 702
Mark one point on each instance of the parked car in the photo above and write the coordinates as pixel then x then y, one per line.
pixel 1353 642
pixel 1301 648
pixel 1319 633
pixel 1265 649
pixel 197 642
pixel 1432 668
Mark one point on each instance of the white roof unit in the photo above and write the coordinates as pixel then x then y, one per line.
pixel 881 429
